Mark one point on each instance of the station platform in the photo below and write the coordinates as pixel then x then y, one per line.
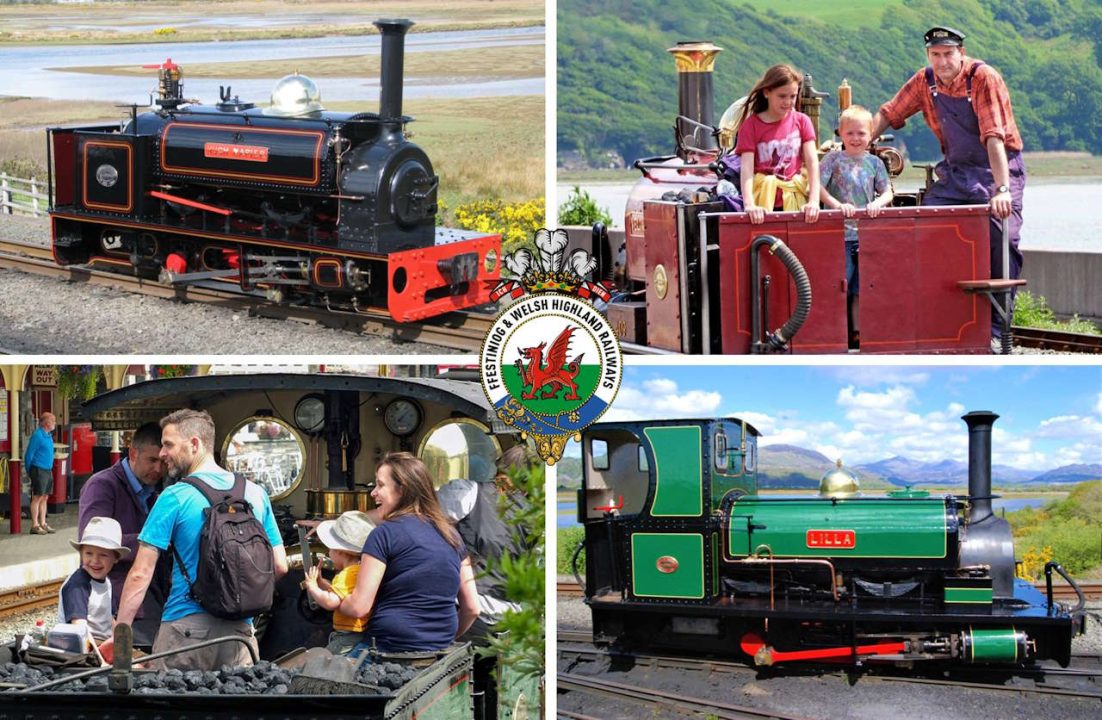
pixel 27 559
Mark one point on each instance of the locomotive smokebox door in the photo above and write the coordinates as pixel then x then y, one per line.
pixel 111 172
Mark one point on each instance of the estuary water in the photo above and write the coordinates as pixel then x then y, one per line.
pixel 38 71
pixel 1059 213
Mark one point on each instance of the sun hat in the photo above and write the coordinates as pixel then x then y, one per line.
pixel 348 532
pixel 103 532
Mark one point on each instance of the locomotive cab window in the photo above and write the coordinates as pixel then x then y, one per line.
pixel 267 451
pixel 617 475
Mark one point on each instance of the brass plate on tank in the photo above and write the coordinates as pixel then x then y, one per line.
pixel 661 282
pixel 667 564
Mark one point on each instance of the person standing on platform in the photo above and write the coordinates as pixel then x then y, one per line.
pixel 126 491
pixel 966 104
pixel 39 461
pixel 176 521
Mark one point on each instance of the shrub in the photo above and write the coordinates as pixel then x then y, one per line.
pixel 581 209
pixel 515 222
pixel 568 540
pixel 1033 311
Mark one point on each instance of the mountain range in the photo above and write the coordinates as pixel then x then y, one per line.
pixel 791 466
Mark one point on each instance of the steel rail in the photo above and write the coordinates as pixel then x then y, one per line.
pixel 30 597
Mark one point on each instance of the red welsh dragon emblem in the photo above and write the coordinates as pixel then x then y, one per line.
pixel 555 375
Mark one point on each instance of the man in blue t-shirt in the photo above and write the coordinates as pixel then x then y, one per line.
pixel 187 442
pixel 38 459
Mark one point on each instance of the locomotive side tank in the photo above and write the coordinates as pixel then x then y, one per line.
pixel 683 551
pixel 293 201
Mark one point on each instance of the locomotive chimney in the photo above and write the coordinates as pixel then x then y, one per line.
pixel 695 92
pixel 390 75
pixel 979 461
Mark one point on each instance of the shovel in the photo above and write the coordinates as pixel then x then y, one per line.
pixel 324 673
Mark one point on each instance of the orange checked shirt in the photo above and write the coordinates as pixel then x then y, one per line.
pixel 990 102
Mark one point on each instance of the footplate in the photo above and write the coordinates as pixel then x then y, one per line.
pixel 452 276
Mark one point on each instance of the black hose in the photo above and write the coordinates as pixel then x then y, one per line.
pixel 777 341
pixel 1049 567
pixel 574 564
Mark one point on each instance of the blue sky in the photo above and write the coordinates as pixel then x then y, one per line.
pixel 1050 415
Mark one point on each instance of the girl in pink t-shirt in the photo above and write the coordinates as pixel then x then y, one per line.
pixel 779 143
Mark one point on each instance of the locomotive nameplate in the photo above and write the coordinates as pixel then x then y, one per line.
pixel 252 153
pixel 247 154
pixel 845 539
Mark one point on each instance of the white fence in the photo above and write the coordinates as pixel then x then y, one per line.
pixel 20 195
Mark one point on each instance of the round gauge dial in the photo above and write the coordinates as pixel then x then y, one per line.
pixel 310 414
pixel 402 417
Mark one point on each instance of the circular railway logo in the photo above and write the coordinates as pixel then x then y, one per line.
pixel 551 365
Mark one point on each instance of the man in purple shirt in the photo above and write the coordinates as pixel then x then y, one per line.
pixel 126 491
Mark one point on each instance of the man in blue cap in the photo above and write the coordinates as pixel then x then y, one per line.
pixel 966 104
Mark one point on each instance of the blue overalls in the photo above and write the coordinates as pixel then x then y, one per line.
pixel 965 178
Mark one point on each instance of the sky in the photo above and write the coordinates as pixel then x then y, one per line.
pixel 1050 415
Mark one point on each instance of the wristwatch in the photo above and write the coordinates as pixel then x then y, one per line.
pixel 1001 189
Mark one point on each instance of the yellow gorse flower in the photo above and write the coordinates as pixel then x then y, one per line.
pixel 515 222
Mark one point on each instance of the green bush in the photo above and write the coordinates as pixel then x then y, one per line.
pixel 1070 528
pixel 1033 311
pixel 568 540
pixel 581 209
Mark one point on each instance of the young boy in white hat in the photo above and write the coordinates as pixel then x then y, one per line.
pixel 86 596
pixel 345 538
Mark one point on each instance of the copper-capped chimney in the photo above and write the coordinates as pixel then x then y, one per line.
pixel 979 424
pixel 695 92
pixel 393 68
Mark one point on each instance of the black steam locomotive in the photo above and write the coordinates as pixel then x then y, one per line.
pixel 682 551
pixel 290 201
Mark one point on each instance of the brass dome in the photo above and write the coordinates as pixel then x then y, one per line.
pixel 839 483
pixel 294 95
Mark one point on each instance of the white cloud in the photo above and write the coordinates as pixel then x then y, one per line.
pixel 1098 404
pixel 1069 426
pixel 659 398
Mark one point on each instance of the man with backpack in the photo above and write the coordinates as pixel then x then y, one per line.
pixel 227 551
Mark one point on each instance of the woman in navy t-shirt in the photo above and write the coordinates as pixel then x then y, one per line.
pixel 414 567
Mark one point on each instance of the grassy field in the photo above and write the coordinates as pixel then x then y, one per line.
pixel 482 148
pixel 854 13
pixel 202 20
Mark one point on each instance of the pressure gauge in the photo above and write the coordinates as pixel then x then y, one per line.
pixel 310 414
pixel 402 417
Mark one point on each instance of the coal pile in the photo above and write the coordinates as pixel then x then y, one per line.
pixel 21 674
pixel 389 676
pixel 264 678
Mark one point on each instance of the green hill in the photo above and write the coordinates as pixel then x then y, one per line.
pixel 617 87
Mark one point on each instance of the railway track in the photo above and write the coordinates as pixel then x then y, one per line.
pixel 1057 340
pixel 463 331
pixel 575 647
pixel 31 597
pixel 1061 592
pixel 664 702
